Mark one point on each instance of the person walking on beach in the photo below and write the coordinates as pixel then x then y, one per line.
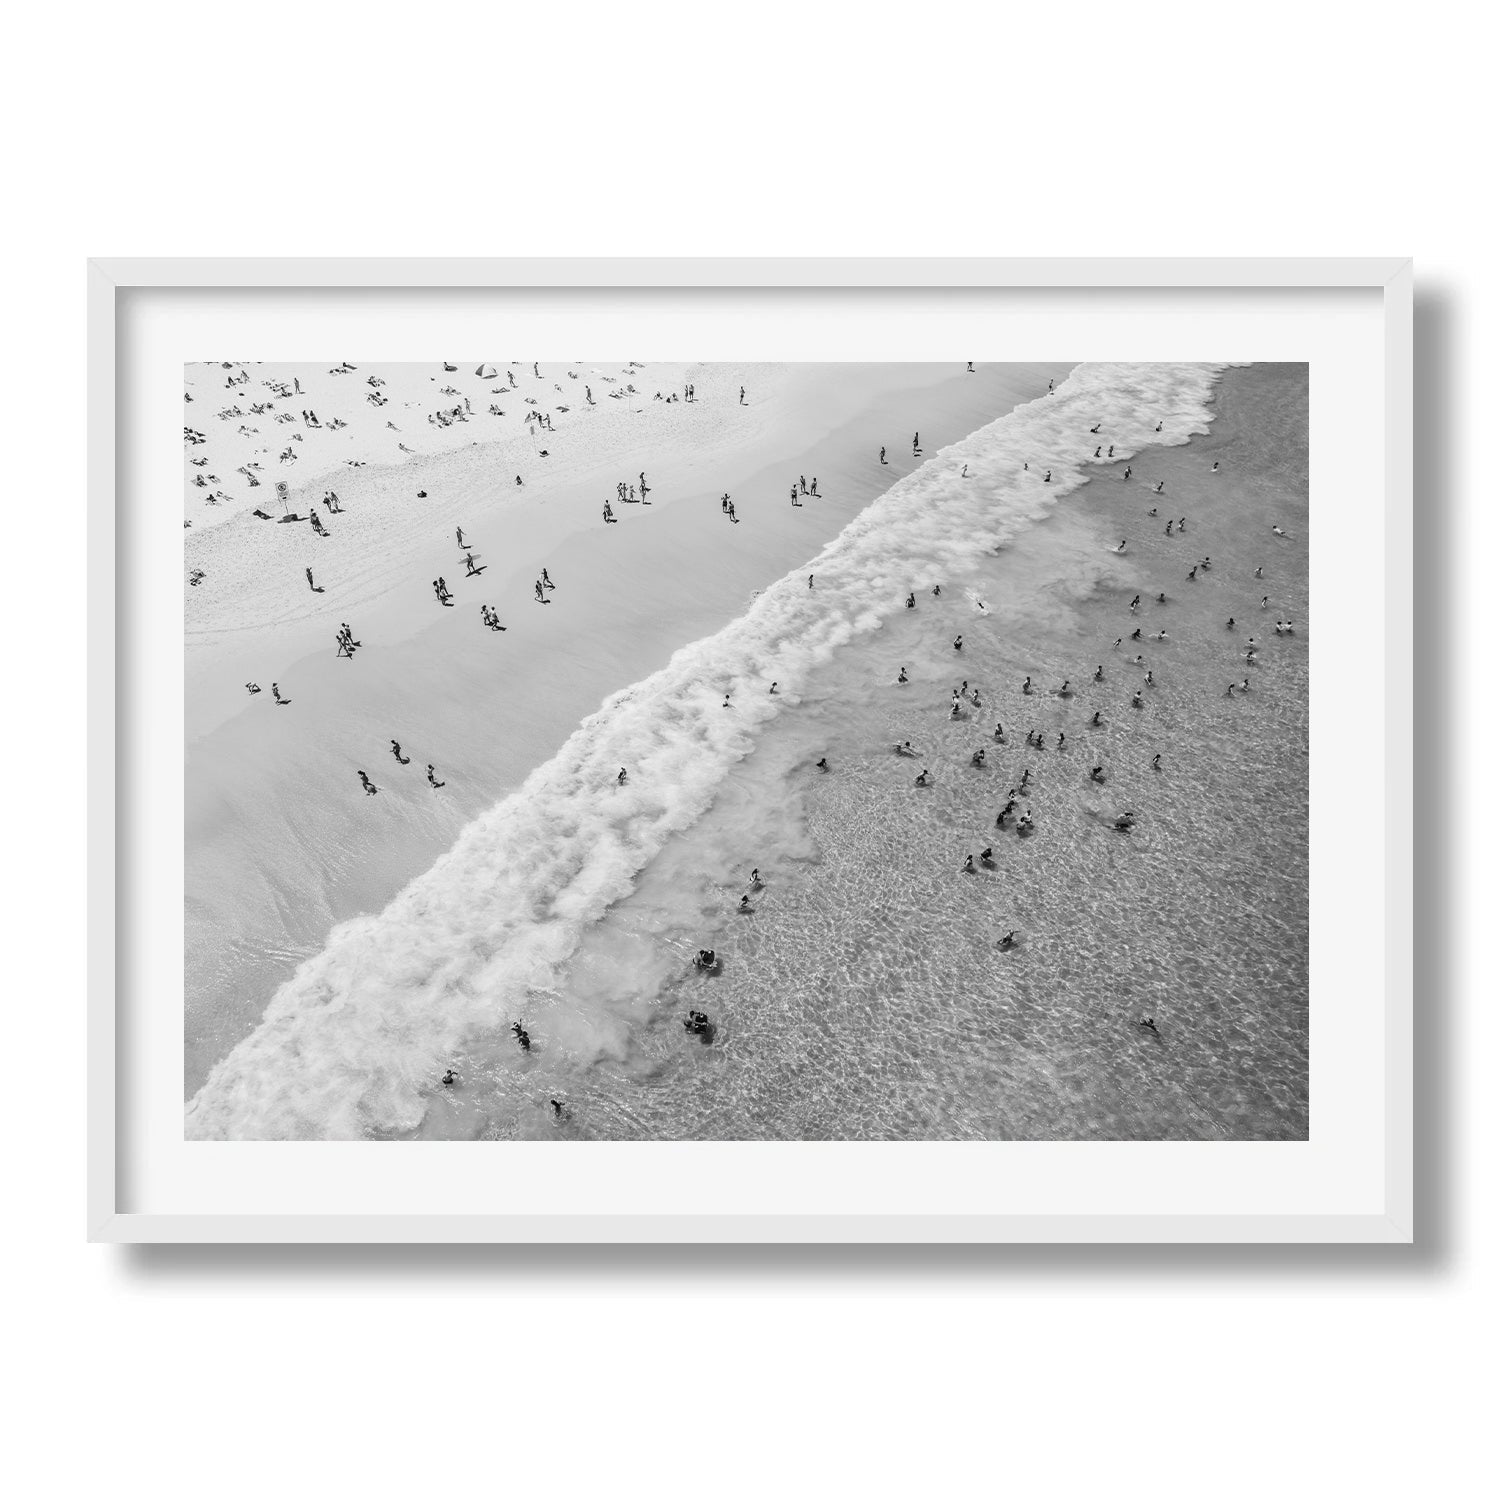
pixel 396 751
pixel 620 779
pixel 310 582
pixel 368 785
pixel 916 444
pixel 461 542
pixel 742 395
pixel 809 580
pixel 276 694
pixel 432 778
pixel 546 581
pixel 795 500
pixel 813 488
pixel 882 455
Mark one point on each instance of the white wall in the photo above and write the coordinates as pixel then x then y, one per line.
pixel 673 129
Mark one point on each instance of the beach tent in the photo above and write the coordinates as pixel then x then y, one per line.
pixel 485 372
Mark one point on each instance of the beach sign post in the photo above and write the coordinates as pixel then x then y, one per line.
pixel 282 491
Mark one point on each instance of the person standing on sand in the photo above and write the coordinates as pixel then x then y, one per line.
pixel 742 395
pixel 432 778
pixel 461 542
pixel 396 751
pixel 916 443
pixel 882 455
pixel 795 500
pixel 310 582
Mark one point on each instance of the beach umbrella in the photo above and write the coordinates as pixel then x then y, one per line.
pixel 485 372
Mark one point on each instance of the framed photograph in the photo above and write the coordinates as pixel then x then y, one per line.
pixel 750 751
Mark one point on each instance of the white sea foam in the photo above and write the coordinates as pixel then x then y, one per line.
pixel 351 1046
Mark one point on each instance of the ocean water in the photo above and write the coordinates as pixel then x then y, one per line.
pixel 862 996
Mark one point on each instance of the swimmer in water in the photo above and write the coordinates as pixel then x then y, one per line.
pixel 1121 547
pixel 1161 598
pixel 923 777
pixel 1137 701
pixel 968 864
pixel 1097 775
pixel 911 601
pixel 1135 603
pixel 1026 686
pixel 1047 477
pixel 449 1079
pixel 1215 469
pixel 823 764
pixel 958 643
pixel 1126 474
pixel 1257 572
pixel 901 676
pixel 986 856
pixel 1278 531
pixel 773 687
pixel 620 779
pixel 1007 942
pixel 745 904
pixel 1000 732
pixel 1156 762
pixel 977 758
pixel 1152 511
pixel 1229 623
pixel 1148 1023
pixel 1096 721
pixel 522 1035
pixel 937 590
pixel 1099 673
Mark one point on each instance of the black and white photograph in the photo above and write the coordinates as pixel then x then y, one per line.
pixel 623 751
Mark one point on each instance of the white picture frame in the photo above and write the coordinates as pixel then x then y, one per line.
pixel 1380 1211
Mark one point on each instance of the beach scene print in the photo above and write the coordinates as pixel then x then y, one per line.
pixel 617 751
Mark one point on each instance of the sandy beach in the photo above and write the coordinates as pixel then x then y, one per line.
pixel 280 849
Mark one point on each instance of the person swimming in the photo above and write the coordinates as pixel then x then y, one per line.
pixel 1026 686
pixel 958 643
pixel 1148 1023
pixel 999 732
pixel 1137 701
pixel 911 601
pixel 977 758
pixel 1099 672
pixel 904 748
pixel 745 905
pixel 968 864
pixel 449 1079
pixel 773 687
pixel 986 856
pixel 522 1035
pixel 1096 721
pixel 1097 775
pixel 1007 942
pixel 823 764
pixel 901 676
pixel 1156 762
pixel 923 777
pixel 1047 477
pixel 755 880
